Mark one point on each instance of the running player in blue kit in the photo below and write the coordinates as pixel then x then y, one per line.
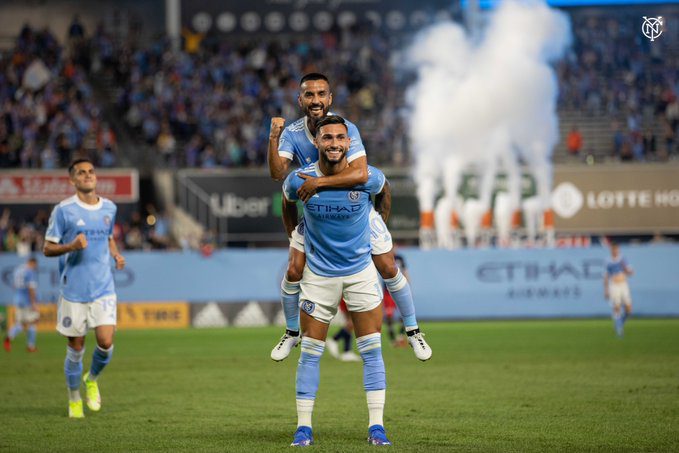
pixel 338 265
pixel 296 142
pixel 616 288
pixel 26 314
pixel 80 233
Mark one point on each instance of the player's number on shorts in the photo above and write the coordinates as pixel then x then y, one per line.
pixel 377 226
pixel 109 305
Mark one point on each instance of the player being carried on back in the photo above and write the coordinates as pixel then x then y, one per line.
pixel 296 142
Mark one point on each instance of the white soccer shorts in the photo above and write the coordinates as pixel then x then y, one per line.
pixel 320 296
pixel 380 238
pixel 25 315
pixel 618 293
pixel 74 318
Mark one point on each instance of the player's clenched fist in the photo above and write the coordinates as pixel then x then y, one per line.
pixel 80 242
pixel 120 261
pixel 277 124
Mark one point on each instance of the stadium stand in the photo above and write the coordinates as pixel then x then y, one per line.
pixel 209 107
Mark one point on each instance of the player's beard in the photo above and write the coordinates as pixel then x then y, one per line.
pixel 313 119
pixel 334 160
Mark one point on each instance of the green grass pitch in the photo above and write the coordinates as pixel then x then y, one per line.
pixel 511 386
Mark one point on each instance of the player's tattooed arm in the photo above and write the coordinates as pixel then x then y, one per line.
pixel 356 173
pixel 289 214
pixel 383 202
pixel 54 249
pixel 278 165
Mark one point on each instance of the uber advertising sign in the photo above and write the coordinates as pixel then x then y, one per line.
pixel 247 205
pixel 617 199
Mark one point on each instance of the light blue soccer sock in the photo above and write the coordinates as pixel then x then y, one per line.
pixel 100 358
pixel 374 376
pixel 624 316
pixel 308 378
pixel 73 369
pixel 618 323
pixel 370 348
pixel 14 331
pixel 31 335
pixel 399 288
pixel 290 302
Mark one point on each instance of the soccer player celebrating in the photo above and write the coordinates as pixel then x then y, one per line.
pixel 296 141
pixel 25 302
pixel 616 289
pixel 339 265
pixel 80 233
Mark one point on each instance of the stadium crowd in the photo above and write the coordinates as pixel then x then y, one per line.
pixel 48 114
pixel 217 101
pixel 613 71
pixel 209 105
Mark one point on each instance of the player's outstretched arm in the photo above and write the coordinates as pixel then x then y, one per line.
pixel 383 202
pixel 289 214
pixel 117 257
pixel 278 166
pixel 53 249
pixel 356 173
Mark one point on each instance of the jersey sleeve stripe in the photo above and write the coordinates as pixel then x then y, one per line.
pixel 384 180
pixel 53 239
pixel 286 154
pixel 356 155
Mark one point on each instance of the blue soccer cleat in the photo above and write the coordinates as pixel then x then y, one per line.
pixel 303 437
pixel 377 436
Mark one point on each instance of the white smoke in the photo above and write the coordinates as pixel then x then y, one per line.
pixel 482 106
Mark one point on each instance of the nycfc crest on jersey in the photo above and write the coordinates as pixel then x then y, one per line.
pixel 85 275
pixel 336 232
pixel 296 142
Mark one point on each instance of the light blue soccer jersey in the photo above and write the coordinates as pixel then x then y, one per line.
pixel 24 278
pixel 336 233
pixel 616 267
pixel 297 143
pixel 85 275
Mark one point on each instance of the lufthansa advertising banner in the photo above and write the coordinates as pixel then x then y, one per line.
pixel 616 199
